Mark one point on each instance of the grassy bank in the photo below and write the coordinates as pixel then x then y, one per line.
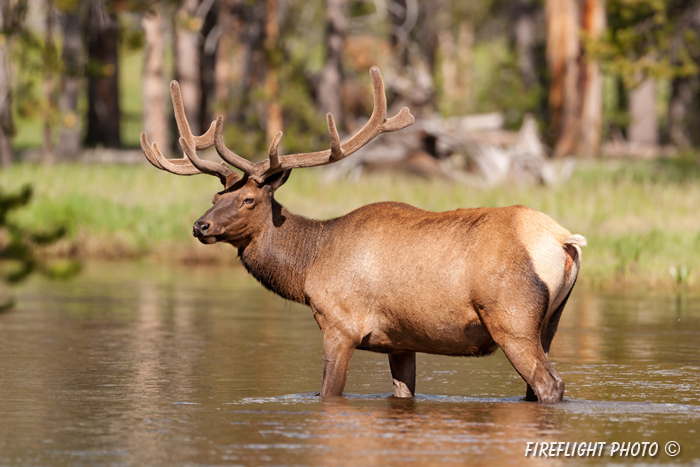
pixel 641 219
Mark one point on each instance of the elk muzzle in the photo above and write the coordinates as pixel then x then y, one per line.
pixel 205 232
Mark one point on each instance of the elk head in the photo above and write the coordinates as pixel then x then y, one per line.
pixel 247 201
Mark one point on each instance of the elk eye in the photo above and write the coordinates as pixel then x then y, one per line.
pixel 248 201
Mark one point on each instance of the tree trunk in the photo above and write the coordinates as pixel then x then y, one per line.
pixel 209 43
pixel 155 115
pixel 229 56
pixel 103 88
pixel 274 109
pixel 7 127
pixel 456 52
pixel 331 82
pixel 643 126
pixel 524 30
pixel 563 51
pixel 683 116
pixel 591 121
pixel 576 90
pixel 50 96
pixel 68 146
pixel 187 67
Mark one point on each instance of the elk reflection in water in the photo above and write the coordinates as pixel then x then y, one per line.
pixel 426 431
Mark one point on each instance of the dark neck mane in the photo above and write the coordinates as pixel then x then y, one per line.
pixel 280 257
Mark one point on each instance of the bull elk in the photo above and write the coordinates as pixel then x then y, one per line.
pixel 389 277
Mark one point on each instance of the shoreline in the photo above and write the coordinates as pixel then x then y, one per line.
pixel 640 217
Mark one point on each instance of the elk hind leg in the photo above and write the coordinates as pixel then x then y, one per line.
pixel 548 330
pixel 521 341
pixel 403 372
pixel 530 361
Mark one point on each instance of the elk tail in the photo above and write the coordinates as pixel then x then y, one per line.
pixel 572 246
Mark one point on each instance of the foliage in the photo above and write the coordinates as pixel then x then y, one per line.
pixel 649 38
pixel 18 245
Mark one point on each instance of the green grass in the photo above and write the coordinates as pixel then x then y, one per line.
pixel 641 219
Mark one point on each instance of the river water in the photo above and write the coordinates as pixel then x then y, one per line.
pixel 132 364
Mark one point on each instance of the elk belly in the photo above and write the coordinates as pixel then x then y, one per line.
pixel 442 332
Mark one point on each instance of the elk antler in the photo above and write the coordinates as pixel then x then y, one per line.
pixel 191 164
pixel 376 125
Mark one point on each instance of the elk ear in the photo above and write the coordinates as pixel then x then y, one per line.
pixel 275 181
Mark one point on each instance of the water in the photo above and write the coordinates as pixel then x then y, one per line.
pixel 140 365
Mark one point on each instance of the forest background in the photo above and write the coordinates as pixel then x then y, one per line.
pixel 613 84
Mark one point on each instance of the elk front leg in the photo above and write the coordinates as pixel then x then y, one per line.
pixel 403 372
pixel 337 352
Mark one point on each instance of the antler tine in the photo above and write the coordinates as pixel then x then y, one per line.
pixel 156 158
pixel 274 158
pixel 208 167
pixel 191 164
pixel 336 149
pixel 377 124
pixel 244 165
pixel 373 126
pixel 204 141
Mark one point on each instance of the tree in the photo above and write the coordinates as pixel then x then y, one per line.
pixel 575 95
pixel 7 128
pixel 103 118
pixel 273 61
pixel 684 112
pixel 643 127
pixel 331 82
pixel 188 24
pixel 646 42
pixel 524 27
pixel 51 66
pixel 72 74
pixel 155 114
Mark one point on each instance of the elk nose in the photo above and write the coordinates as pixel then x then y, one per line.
pixel 200 228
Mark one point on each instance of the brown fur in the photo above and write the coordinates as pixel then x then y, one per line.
pixel 392 278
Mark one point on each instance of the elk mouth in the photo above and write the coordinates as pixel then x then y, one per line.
pixel 205 234
pixel 210 239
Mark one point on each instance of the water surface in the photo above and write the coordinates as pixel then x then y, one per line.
pixel 157 365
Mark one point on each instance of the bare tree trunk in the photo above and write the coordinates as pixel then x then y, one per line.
pixel 331 83
pixel 155 115
pixel 209 43
pixel 274 109
pixel 562 58
pixel 465 58
pixel 103 88
pixel 229 53
pixel 187 69
pixel 683 117
pixel 455 64
pixel 524 29
pixel 73 64
pixel 576 91
pixel 6 121
pixel 643 127
pixel 49 85
pixel 591 122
